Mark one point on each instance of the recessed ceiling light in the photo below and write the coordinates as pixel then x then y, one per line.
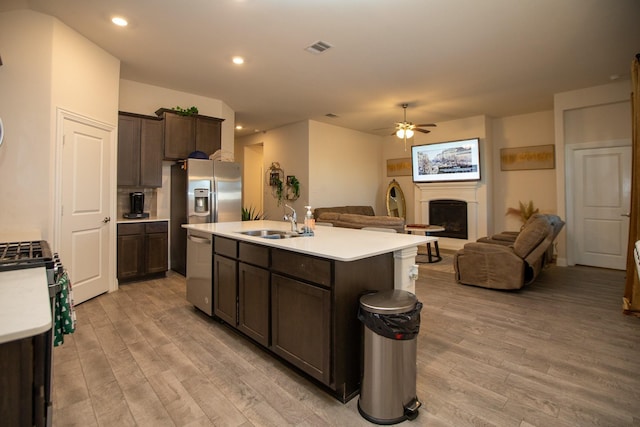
pixel 238 60
pixel 238 127
pixel 119 21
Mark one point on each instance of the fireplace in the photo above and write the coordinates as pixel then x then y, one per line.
pixel 450 214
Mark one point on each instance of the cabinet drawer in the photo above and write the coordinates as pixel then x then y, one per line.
pixel 316 270
pixel 157 227
pixel 254 254
pixel 226 247
pixel 128 229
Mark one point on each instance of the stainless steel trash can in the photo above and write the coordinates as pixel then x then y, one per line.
pixel 391 324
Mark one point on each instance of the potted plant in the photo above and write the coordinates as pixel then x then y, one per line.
pixel 251 214
pixel 293 188
pixel 524 212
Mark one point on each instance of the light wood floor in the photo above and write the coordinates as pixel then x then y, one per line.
pixel 558 353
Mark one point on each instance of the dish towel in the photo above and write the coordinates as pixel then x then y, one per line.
pixel 64 313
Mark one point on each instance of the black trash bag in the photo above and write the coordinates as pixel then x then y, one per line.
pixel 396 326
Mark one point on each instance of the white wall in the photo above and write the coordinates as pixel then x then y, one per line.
pixel 288 146
pixel 599 113
pixel 511 187
pixel 344 168
pixel 46 66
pixel 452 130
pixel 335 166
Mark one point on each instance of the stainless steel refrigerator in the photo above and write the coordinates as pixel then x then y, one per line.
pixel 201 191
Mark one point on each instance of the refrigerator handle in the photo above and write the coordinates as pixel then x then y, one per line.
pixel 214 200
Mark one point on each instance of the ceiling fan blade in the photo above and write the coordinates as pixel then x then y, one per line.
pixel 427 124
pixel 393 133
pixel 422 130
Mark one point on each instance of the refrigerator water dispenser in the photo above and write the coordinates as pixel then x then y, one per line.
pixel 201 199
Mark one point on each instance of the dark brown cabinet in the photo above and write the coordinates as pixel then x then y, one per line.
pixel 225 289
pixel 140 141
pixel 22 381
pixel 186 134
pixel 253 302
pixel 142 250
pixel 301 325
pixel 301 307
pixel 241 287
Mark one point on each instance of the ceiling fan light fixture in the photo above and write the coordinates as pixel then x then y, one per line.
pixel 404 133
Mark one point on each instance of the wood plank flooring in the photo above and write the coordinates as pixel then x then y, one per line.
pixel 559 353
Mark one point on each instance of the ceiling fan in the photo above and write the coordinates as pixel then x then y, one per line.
pixel 405 129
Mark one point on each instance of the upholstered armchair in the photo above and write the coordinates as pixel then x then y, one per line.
pixel 507 238
pixel 500 265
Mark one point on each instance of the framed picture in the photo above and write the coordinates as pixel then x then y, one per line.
pixel 446 161
pixel 274 177
pixel 399 167
pixel 527 158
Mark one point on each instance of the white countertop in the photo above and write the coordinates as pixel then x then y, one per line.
pixel 132 220
pixel 25 310
pixel 341 244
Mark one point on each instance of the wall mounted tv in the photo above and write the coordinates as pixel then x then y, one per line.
pixel 446 161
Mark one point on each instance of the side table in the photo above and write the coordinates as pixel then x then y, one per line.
pixel 427 230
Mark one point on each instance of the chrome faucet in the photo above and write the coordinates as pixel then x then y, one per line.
pixel 293 218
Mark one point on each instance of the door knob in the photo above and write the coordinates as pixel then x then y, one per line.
pixel 106 219
pixel 626 214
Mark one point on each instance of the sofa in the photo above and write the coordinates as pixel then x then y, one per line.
pixel 499 263
pixel 357 217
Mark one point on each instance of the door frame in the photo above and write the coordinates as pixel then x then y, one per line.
pixel 61 116
pixel 570 187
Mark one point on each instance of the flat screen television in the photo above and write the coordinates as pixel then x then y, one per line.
pixel 446 161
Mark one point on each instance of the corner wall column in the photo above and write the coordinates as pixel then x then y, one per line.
pixel 404 259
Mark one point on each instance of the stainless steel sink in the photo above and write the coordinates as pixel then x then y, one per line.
pixel 270 234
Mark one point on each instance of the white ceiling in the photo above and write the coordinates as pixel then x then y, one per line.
pixel 447 58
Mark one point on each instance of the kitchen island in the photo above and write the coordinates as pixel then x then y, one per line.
pixel 298 297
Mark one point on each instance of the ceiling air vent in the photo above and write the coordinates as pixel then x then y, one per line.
pixel 318 47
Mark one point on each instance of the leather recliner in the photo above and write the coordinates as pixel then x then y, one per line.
pixel 499 263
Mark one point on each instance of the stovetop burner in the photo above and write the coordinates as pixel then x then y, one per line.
pixel 29 254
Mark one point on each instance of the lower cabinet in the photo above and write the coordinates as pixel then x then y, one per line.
pixel 225 289
pixel 241 290
pixel 142 250
pixel 301 325
pixel 301 307
pixel 253 302
pixel 23 381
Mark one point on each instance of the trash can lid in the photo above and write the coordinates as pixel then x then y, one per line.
pixel 389 302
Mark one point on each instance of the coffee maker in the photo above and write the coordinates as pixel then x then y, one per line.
pixel 136 203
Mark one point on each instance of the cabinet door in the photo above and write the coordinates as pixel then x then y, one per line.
pixel 225 289
pixel 208 135
pixel 253 302
pixel 156 254
pixel 131 256
pixel 301 325
pixel 151 147
pixel 17 381
pixel 128 150
pixel 179 136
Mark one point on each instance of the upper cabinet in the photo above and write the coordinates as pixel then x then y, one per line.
pixel 140 140
pixel 186 134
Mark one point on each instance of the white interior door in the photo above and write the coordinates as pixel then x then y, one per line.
pixel 86 196
pixel 602 185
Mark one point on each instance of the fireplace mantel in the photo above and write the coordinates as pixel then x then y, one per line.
pixel 474 193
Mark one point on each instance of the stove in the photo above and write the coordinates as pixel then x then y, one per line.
pixel 33 254
pixel 27 254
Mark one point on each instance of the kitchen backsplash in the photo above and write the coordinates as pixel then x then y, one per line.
pixel 150 200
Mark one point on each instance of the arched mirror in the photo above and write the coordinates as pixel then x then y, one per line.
pixel 396 205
